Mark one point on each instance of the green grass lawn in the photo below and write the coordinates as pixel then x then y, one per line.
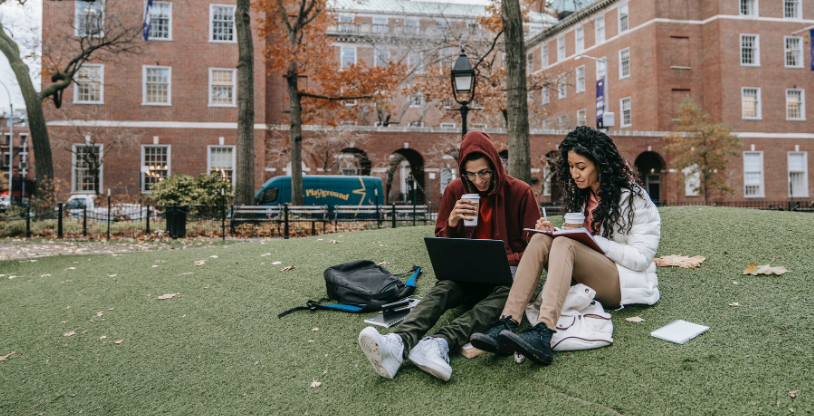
pixel 219 348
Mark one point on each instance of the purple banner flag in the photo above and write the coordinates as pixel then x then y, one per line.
pixel 145 29
pixel 811 39
pixel 600 103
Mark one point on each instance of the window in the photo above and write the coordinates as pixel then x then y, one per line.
pixel 546 124
pixel 381 57
pixel 753 174
pixel 530 63
pixel 795 104
pixel 380 24
pixel 155 165
pixel 546 98
pixel 222 87
pixel 601 68
pixel 544 49
pixel 624 63
pixel 626 117
pixel 580 37
pixel 221 159
pixel 411 26
pixel 415 60
pixel 750 101
pixel 581 78
pixel 346 24
pixel 447 125
pixel 87 168
pixel 417 100
pixel 161 20
pixel 798 174
pixel 748 7
pixel 794 52
pixel 157 85
pixel 348 57
pixel 750 50
pixel 89 84
pixel 562 122
pixel 791 9
pixel 692 181
pixel 473 26
pixel 561 87
pixel 560 48
pixel 89 19
pixel 416 124
pixel 600 29
pixel 581 117
pixel 623 19
pixel 222 23
pixel 441 26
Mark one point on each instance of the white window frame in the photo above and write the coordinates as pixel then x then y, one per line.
pixel 209 158
pixel 416 55
pixel 212 24
pixel 144 189
pixel 802 104
pixel 447 125
pixel 101 100
pixel 77 33
pixel 798 10
pixel 599 30
pixel 581 118
pixel 562 87
pixel 529 62
pixel 234 87
pixel 562 122
pixel 799 52
pixel 376 26
pixel 754 8
pixel 804 192
pixel 169 28
pixel 623 11
pixel 101 147
pixel 546 95
pixel 759 108
pixel 580 79
pixel 756 54
pixel 377 54
pixel 622 112
pixel 547 124
pixel 144 69
pixel 342 50
pixel 410 28
pixel 579 39
pixel 629 64
pixel 420 102
pixel 762 185
pixel 480 126
pixel 544 54
pixel 561 48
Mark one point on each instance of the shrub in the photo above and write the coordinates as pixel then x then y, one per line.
pixel 202 193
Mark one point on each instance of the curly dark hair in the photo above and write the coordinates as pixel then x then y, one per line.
pixel 615 173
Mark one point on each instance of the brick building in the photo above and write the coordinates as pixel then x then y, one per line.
pixel 172 108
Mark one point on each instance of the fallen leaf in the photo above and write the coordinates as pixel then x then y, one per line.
pixel 119 341
pixel 200 262
pixel 335 242
pixel 384 263
pixel 276 263
pixel 325 372
pixel 111 275
pixel 679 260
pixel 793 393
pixel 635 319
pixel 286 268
pixel 314 329
pixel 734 304
pixel 265 255
pixel 183 274
pixel 168 296
pixel 98 314
pixel 213 257
pixel 155 265
pixel 71 268
pixel 320 239
pixel 69 334
pixel 12 277
pixel 63 322
pixel 66 281
pixel 765 269
pixel 45 275
pixel 316 384
pixel 83 332
pixel 103 337
pixel 6 357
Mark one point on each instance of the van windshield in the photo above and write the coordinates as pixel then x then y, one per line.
pixel 269 195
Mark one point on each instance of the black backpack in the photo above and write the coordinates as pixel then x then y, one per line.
pixel 361 286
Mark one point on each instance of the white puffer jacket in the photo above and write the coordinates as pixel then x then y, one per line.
pixel 633 251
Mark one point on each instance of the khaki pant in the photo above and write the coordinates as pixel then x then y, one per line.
pixel 565 259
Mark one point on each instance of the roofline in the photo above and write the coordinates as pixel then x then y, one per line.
pixel 570 21
pixel 432 15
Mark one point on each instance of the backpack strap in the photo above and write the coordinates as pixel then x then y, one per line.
pixel 416 270
pixel 313 305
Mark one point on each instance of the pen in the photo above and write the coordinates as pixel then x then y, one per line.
pixel 545 217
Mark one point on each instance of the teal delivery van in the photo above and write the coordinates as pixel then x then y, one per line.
pixel 323 190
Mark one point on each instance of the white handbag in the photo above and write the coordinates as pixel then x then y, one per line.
pixel 583 323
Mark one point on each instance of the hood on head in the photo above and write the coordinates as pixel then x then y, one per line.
pixel 477 141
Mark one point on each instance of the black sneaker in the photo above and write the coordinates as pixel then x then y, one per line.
pixel 534 343
pixel 490 342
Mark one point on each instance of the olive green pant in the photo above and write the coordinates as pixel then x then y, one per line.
pixel 485 302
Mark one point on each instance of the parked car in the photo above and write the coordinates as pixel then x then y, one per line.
pixel 77 204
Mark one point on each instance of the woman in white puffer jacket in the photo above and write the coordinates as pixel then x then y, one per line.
pixel 598 182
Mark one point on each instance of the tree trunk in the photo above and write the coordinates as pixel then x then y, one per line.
pixel 516 96
pixel 295 133
pixel 36 120
pixel 244 183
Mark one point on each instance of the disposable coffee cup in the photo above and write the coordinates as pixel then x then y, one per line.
pixel 475 200
pixel 574 220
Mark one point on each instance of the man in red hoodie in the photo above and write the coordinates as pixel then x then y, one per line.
pixel 507 205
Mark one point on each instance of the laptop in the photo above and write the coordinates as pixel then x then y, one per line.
pixel 465 260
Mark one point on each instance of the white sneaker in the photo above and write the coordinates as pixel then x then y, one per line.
pixel 384 352
pixel 432 355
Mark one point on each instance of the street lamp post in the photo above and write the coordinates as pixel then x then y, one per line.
pixel 10 145
pixel 607 119
pixel 463 82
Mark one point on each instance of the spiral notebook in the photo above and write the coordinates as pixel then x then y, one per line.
pixel 392 317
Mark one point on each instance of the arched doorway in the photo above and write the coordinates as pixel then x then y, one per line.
pixel 353 162
pixel 650 166
pixel 404 165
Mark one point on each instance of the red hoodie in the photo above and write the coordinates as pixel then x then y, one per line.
pixel 513 204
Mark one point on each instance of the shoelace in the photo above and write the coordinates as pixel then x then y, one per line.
pixel 440 347
pixel 505 322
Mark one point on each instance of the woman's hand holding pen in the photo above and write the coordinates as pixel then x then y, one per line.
pixel 544 225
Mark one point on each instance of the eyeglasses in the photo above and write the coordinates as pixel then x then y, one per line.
pixel 483 174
